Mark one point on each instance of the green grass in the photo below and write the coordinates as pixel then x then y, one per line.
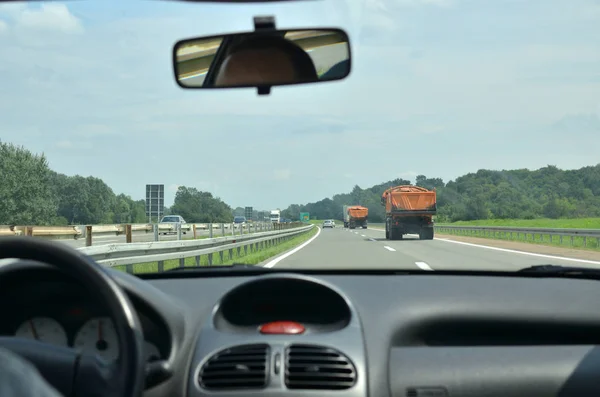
pixel 250 257
pixel 577 242
pixel 579 223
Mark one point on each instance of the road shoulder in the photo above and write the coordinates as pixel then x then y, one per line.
pixel 525 247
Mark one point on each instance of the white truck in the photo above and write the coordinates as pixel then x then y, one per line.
pixel 275 216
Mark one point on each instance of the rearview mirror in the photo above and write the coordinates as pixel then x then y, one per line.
pixel 262 59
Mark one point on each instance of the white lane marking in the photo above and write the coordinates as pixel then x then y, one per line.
pixel 423 266
pixel 362 235
pixel 292 252
pixel 372 239
pixel 388 248
pixel 562 258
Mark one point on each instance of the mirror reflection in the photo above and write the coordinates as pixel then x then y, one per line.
pixel 262 59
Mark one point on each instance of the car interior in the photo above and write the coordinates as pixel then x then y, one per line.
pixel 254 331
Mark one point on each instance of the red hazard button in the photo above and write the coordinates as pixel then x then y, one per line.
pixel 282 328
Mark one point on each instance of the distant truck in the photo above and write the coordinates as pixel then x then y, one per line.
pixel 355 216
pixel 275 216
pixel 409 209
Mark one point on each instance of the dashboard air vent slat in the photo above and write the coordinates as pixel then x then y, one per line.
pixel 318 368
pixel 239 367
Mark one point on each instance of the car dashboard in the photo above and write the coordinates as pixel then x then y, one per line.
pixel 362 334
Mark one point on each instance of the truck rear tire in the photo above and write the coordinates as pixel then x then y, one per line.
pixel 395 234
pixel 426 234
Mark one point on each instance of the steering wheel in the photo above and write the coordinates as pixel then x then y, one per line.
pixel 70 371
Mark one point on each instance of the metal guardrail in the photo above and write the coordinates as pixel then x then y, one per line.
pixel 81 231
pixel 129 254
pixel 510 232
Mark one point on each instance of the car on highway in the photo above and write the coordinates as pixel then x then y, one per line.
pixel 382 112
pixel 239 220
pixel 169 224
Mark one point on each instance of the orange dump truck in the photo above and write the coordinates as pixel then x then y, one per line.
pixel 356 215
pixel 409 210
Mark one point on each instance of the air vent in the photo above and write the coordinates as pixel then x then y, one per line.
pixel 239 367
pixel 317 367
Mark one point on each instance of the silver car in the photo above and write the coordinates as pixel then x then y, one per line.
pixel 328 223
pixel 173 221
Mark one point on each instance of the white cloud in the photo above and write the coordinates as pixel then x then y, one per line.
pixel 48 17
pixel 12 9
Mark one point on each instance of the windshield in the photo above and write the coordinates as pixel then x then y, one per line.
pixel 466 137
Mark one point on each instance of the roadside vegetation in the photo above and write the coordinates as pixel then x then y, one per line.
pixel 485 195
pixel 33 194
pixel 571 223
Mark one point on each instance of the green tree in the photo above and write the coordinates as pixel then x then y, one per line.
pixel 26 194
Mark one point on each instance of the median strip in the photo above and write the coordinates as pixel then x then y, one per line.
pixel 226 256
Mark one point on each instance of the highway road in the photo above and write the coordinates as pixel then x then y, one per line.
pixel 341 248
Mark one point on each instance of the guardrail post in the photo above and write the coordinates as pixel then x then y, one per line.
pixel 179 231
pixel 233 229
pixel 210 230
pixel 88 236
pixel 155 229
pixel 128 233
pixel 194 230
pixel 223 229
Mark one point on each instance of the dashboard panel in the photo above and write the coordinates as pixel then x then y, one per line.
pixel 380 335
pixel 51 307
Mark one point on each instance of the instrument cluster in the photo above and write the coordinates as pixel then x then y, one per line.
pixel 61 313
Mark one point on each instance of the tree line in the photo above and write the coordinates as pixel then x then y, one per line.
pixel 33 194
pixel 548 192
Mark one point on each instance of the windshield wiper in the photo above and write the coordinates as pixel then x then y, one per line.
pixel 557 270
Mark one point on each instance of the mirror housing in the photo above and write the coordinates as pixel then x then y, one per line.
pixel 262 59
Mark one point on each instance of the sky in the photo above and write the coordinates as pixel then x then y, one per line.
pixel 437 87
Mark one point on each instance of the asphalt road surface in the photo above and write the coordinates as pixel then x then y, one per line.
pixel 341 248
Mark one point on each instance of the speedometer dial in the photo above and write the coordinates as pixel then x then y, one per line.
pixel 44 329
pixel 99 336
